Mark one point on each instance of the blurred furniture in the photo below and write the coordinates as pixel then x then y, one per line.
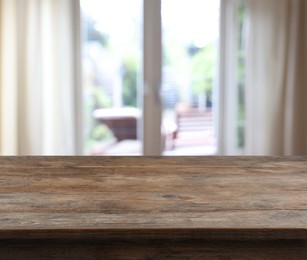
pixel 123 124
pixel 193 119
pixel 153 207
pixel 121 121
pixel 192 124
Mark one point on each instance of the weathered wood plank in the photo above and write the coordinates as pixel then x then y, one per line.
pixel 154 197
pixel 154 249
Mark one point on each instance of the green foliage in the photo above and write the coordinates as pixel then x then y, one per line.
pixel 203 69
pixel 97 99
pixel 241 77
pixel 240 126
pixel 100 132
pixel 129 90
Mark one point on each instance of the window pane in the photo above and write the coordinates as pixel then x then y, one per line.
pixel 190 48
pixel 111 65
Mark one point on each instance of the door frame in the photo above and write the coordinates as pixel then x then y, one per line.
pixel 152 78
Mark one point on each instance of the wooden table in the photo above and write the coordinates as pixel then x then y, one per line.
pixel 153 208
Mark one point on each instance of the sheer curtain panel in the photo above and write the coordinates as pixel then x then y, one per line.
pixel 39 89
pixel 276 81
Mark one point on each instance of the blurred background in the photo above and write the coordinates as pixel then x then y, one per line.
pixel 153 77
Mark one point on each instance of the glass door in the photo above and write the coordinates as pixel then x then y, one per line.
pixel 150 76
pixel 190 31
pixel 111 76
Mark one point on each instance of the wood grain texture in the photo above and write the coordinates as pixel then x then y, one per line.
pixel 154 250
pixel 153 208
pixel 153 197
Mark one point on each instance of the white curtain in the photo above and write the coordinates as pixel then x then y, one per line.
pixel 276 81
pixel 39 77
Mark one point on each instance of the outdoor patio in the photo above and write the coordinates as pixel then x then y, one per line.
pixel 190 132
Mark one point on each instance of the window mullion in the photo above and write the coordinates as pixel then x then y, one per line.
pixel 152 63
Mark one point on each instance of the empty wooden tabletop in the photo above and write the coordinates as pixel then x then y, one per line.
pixel 154 197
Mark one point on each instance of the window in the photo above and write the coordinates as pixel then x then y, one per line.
pixel 189 73
pixel 171 93
pixel 111 69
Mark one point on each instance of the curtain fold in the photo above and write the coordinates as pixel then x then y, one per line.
pixel 275 79
pixel 38 77
pixel 295 140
